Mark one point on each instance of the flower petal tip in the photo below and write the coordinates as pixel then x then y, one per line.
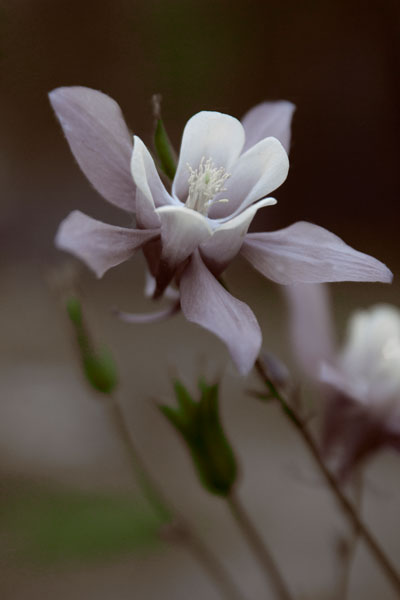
pixel 388 276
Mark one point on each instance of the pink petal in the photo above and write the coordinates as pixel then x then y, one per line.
pixel 226 241
pixel 268 119
pixel 99 139
pixel 311 328
pixel 210 135
pixel 307 253
pixel 99 245
pixel 204 301
pixel 258 172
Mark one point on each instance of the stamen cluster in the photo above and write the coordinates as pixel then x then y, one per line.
pixel 205 183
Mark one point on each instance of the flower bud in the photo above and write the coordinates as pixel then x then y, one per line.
pixel 363 414
pixel 165 152
pixel 98 365
pixel 199 424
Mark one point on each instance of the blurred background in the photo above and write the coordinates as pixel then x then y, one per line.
pixel 338 62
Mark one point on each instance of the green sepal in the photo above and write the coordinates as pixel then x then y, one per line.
pixel 164 149
pixel 97 364
pixel 101 371
pixel 198 422
pixel 187 406
pixel 74 310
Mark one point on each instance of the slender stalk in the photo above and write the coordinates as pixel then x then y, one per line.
pixel 270 568
pixel 352 543
pixel 179 529
pixel 297 421
pixel 148 486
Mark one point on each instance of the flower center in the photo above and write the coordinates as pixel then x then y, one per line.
pixel 205 183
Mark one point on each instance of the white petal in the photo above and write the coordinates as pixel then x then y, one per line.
pixel 225 243
pixel 268 119
pixel 311 328
pixel 99 245
pixel 99 139
pixel 182 231
pixel 307 253
pixel 150 189
pixel 212 135
pixel 256 174
pixel 206 302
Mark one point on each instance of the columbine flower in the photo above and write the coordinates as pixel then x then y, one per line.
pixel 190 234
pixel 363 378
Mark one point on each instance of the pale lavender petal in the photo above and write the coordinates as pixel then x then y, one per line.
pixel 153 317
pixel 210 135
pixel 226 241
pixel 311 328
pixel 351 433
pixel 99 245
pixel 307 253
pixel 182 230
pixel 205 301
pixel 351 387
pixel 268 119
pixel 99 139
pixel 150 192
pixel 256 174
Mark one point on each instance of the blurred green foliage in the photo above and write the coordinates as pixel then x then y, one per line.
pixel 47 526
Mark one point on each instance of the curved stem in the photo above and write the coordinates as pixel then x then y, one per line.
pixel 179 529
pixel 297 421
pixel 259 548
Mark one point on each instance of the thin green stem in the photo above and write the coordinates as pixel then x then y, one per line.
pixel 297 421
pixel 179 529
pixel 259 548
pixel 352 542
pixel 148 486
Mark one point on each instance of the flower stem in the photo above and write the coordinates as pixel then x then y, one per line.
pixel 352 543
pixel 297 421
pixel 258 546
pixel 178 528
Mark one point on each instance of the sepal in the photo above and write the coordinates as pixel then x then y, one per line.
pixel 165 152
pixel 198 422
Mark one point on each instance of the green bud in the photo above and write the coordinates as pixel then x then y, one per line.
pixel 165 152
pixel 199 424
pixel 100 371
pixel 97 364
pixel 74 310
